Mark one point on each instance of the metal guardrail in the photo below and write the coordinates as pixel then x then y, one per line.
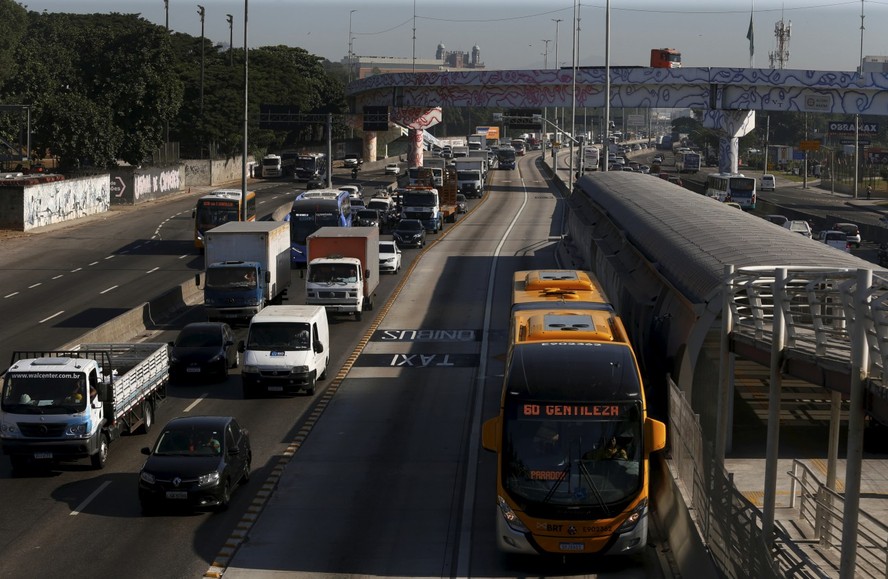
pixel 823 509
pixel 729 524
pixel 818 310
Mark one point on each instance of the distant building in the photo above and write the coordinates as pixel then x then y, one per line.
pixel 875 64
pixel 364 66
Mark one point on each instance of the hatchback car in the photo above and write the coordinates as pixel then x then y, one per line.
pixel 367 218
pixel 836 239
pixel 462 205
pixel 315 183
pixel 851 230
pixel 196 462
pixel 409 233
pixel 392 169
pixel 389 257
pixel 203 350
pixel 799 226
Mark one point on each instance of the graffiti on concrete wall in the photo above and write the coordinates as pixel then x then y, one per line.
pixel 59 201
pixel 155 182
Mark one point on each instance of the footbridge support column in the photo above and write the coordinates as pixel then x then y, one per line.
pixel 731 126
pixel 369 152
pixel 416 120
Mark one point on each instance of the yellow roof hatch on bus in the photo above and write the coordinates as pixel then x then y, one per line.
pixel 559 326
pixel 550 285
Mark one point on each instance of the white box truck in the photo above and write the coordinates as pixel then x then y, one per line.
pixel 247 268
pixel 287 350
pixel 343 269
pixel 60 406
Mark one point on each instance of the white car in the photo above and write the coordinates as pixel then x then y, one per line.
pixel 799 226
pixel 389 257
pixel 392 169
pixel 836 239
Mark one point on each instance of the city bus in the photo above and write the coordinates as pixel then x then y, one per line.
pixel 309 166
pixel 665 58
pixel 734 187
pixel 556 287
pixel 591 157
pixel 687 161
pixel 311 211
pixel 572 436
pixel 218 207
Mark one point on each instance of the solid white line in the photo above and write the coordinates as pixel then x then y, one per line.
pixel 107 290
pixel 465 535
pixel 35 285
pixel 58 313
pixel 10 295
pixel 152 270
pixel 89 499
pixel 196 402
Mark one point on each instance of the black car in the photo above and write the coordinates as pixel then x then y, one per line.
pixel 409 233
pixel 316 183
pixel 195 463
pixel 367 218
pixel 203 350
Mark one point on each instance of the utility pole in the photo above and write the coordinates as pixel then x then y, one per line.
pixel 230 19
pixel 557 123
pixel 201 11
pixel 350 53
pixel 166 7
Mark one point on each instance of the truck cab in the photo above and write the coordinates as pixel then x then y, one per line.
pixel 469 182
pixel 422 204
pixel 234 289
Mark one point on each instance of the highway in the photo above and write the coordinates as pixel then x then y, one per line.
pixel 387 477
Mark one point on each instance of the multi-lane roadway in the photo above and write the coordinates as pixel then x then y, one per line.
pixel 380 473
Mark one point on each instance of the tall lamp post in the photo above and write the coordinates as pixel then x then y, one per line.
pixel 230 20
pixel 246 117
pixel 350 38
pixel 201 11
pixel 166 8
pixel 557 120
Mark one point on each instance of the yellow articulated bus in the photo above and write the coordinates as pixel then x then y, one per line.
pixel 572 436
pixel 531 289
pixel 218 207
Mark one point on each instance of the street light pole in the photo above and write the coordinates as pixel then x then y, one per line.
pixel 246 119
pixel 230 19
pixel 201 11
pixel 166 7
pixel 557 123
pixel 350 12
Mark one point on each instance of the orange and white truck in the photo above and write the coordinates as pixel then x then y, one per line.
pixel 343 269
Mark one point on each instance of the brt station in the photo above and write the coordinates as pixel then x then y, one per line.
pixel 740 325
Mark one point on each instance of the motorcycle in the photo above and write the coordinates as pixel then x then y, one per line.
pixel 355 173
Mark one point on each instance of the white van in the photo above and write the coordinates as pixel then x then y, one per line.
pixel 767 183
pixel 287 350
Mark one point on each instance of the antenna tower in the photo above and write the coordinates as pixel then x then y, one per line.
pixel 780 57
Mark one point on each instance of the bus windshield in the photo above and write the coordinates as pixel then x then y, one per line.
pixel 214 212
pixel 593 459
pixel 304 224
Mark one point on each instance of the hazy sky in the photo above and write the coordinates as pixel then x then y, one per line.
pixel 825 35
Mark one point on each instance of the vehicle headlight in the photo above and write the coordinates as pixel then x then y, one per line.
pixel 252 301
pixel 299 369
pixel 250 370
pixel 208 480
pixel 147 477
pixel 76 429
pixel 637 513
pixel 9 429
pixel 510 516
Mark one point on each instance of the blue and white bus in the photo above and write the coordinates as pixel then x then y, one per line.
pixel 735 187
pixel 311 211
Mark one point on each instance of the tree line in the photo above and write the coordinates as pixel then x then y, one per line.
pixel 106 88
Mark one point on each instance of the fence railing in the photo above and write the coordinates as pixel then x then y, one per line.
pixel 824 509
pixel 729 524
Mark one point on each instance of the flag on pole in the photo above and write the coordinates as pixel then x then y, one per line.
pixel 750 36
